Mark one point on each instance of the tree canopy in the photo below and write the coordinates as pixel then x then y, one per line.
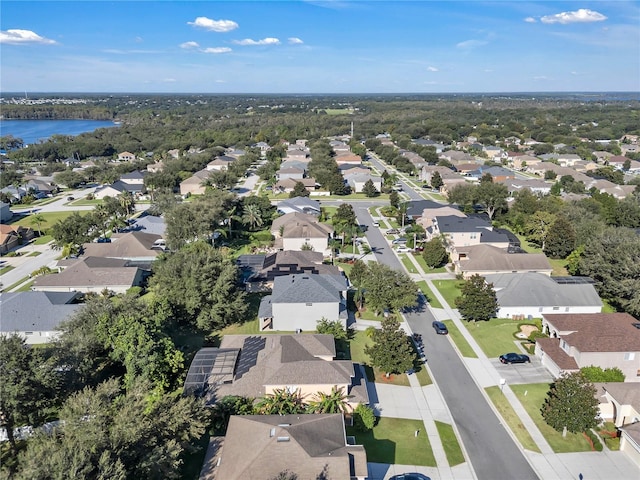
pixel 391 350
pixel 388 289
pixel 571 403
pixel 478 300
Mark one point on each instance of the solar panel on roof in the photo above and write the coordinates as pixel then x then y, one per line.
pixel 573 280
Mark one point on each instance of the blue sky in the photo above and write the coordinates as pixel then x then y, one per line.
pixel 338 46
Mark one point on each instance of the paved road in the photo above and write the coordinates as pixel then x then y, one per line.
pixel 25 265
pixel 492 452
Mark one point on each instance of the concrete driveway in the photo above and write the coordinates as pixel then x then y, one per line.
pixel 520 373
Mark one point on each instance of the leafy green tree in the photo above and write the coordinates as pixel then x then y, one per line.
pixel 369 189
pixel 434 253
pixel 550 175
pixel 202 285
pixel 600 375
pixel 344 216
pixel 492 197
pixel 561 238
pixel 227 406
pixel 26 388
pixel 108 433
pixel 612 258
pixel 391 350
pixel 76 229
pixel 337 401
pixel 388 289
pixel 364 418
pixel 68 178
pixel 331 327
pixel 538 226
pixel 478 300
pixel 571 403
pixel 281 402
pixel 463 195
pixel 436 181
pixel 394 199
pixel 222 179
pixel 127 202
pixel 299 190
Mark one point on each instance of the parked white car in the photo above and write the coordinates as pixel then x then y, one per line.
pixel 403 249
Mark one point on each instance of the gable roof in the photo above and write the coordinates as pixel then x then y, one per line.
pixel 416 207
pixel 598 332
pixel 282 360
pixel 35 311
pixel 129 245
pixel 537 289
pixel 490 259
pixel 286 262
pixel 308 287
pixel 300 204
pixel 262 446
pixel 300 225
pixel 91 272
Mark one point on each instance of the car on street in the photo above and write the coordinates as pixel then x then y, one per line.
pixel 509 358
pixel 69 198
pixel 426 186
pixel 376 224
pixel 393 231
pixel 440 328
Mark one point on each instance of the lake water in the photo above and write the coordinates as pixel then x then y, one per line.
pixel 33 131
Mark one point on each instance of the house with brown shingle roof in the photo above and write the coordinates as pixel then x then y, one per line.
pixel 286 185
pixel 294 230
pixel 484 259
pixel 92 274
pixel 260 364
pixel 257 447
pixel 134 246
pixel 195 184
pixel 604 340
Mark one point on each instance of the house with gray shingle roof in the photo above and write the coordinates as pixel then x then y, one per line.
pixel 299 205
pixel 299 301
pixel 604 340
pixel 308 446
pixel 36 316
pixel 136 246
pixel 293 231
pixel 466 231
pixel 530 295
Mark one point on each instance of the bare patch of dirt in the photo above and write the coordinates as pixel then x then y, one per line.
pixel 526 330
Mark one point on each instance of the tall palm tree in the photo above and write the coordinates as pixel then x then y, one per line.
pixel 280 402
pixel 334 402
pixel 402 208
pixel 252 216
pixel 38 219
pixel 126 201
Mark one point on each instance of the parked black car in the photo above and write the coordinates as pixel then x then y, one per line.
pixel 440 328
pixel 514 358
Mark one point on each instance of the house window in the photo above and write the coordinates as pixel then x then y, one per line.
pixel 472 236
pixel 563 344
pixel 28 333
pixel 309 304
pixel 629 356
pixel 556 308
pixel 291 389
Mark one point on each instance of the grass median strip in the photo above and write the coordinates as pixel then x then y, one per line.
pixel 511 418
pixel 6 269
pixel 15 285
pixel 427 292
pixel 449 289
pixel 459 340
pixel 450 444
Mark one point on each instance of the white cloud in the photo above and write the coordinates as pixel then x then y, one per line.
pixel 188 45
pixel 264 41
pixel 138 40
pixel 21 37
pixel 541 77
pixel 216 50
pixel 294 41
pixel 471 44
pixel 432 69
pixel 583 15
pixel 530 20
pixel 214 25
pixel 169 80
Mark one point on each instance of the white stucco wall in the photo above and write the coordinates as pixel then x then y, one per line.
pixel 537 312
pixel 305 316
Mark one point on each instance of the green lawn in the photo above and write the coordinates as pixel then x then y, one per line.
pixel 449 289
pixel 511 418
pixel 393 441
pixel 34 254
pixel 14 285
pixel 431 298
pixel 425 268
pixel 496 336
pixel 408 264
pixel 50 218
pixel 450 444
pixel 26 287
pixel 84 202
pixel 6 269
pixel 532 396
pixel 558 265
pixel 43 240
pixel 459 340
